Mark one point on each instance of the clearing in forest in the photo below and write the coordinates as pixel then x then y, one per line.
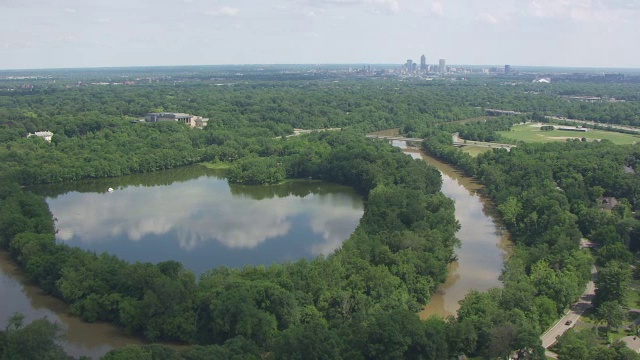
pixel 532 133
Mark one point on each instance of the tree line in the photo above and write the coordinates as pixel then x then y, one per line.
pixel 386 269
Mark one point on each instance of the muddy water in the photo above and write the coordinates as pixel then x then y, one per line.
pixel 484 242
pixel 19 295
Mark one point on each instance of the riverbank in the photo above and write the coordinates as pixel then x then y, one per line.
pixel 19 294
pixel 485 244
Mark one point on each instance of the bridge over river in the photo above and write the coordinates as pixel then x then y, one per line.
pixel 457 141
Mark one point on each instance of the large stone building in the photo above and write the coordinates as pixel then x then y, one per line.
pixel 191 120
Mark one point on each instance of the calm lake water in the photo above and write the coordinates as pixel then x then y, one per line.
pixel 203 222
pixel 191 215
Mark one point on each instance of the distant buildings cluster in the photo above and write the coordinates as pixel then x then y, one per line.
pixel 412 68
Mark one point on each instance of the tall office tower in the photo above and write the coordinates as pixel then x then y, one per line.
pixel 507 69
pixel 443 66
pixel 423 63
pixel 409 65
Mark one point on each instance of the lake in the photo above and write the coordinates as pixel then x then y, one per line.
pixel 191 215
pixel 202 221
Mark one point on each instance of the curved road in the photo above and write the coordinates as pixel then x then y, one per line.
pixel 573 315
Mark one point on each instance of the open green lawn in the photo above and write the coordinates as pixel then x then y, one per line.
pixel 216 165
pixel 475 150
pixel 532 133
pixel 633 299
pixel 588 321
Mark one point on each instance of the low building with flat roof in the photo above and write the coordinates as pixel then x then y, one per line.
pixel 46 135
pixel 187 119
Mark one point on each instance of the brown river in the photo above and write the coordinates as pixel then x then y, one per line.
pixel 484 247
pixel 485 244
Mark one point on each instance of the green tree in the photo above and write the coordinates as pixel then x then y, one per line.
pixel 308 341
pixel 612 313
pixel 612 283
pixel 39 339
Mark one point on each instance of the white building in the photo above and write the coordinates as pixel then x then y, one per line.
pixel 191 120
pixel 46 135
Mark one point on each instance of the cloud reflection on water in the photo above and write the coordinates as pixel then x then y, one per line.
pixel 200 211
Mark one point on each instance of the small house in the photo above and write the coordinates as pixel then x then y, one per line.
pixel 607 203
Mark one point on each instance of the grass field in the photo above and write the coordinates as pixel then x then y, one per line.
pixel 216 165
pixel 475 150
pixel 532 133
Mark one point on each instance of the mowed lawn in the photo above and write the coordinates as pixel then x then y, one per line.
pixel 532 133
pixel 475 150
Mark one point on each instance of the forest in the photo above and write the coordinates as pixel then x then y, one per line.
pixel 360 302
pixel 550 196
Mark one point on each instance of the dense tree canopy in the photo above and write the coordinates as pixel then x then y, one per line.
pixel 361 301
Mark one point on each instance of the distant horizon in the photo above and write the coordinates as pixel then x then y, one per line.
pixel 69 34
pixel 387 65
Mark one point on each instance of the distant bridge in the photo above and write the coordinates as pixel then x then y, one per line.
pixel 457 141
pixel 397 138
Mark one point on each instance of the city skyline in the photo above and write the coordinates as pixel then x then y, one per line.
pixel 74 33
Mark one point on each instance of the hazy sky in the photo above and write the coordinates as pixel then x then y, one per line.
pixel 90 33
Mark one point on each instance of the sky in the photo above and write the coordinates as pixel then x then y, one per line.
pixel 97 33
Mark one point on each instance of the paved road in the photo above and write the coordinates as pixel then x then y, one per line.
pixel 457 140
pixel 573 315
pixel 297 132
pixel 604 125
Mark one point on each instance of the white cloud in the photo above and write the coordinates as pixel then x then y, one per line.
pixel 224 11
pixel 69 38
pixel 487 18
pixel 579 10
pixel 377 6
pixel 437 8
pixel 527 25
pixel 388 5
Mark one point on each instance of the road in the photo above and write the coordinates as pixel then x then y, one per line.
pixel 457 140
pixel 592 123
pixel 297 132
pixel 572 315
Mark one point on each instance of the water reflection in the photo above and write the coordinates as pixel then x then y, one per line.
pixel 17 294
pixel 484 244
pixel 188 214
pixel 203 222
